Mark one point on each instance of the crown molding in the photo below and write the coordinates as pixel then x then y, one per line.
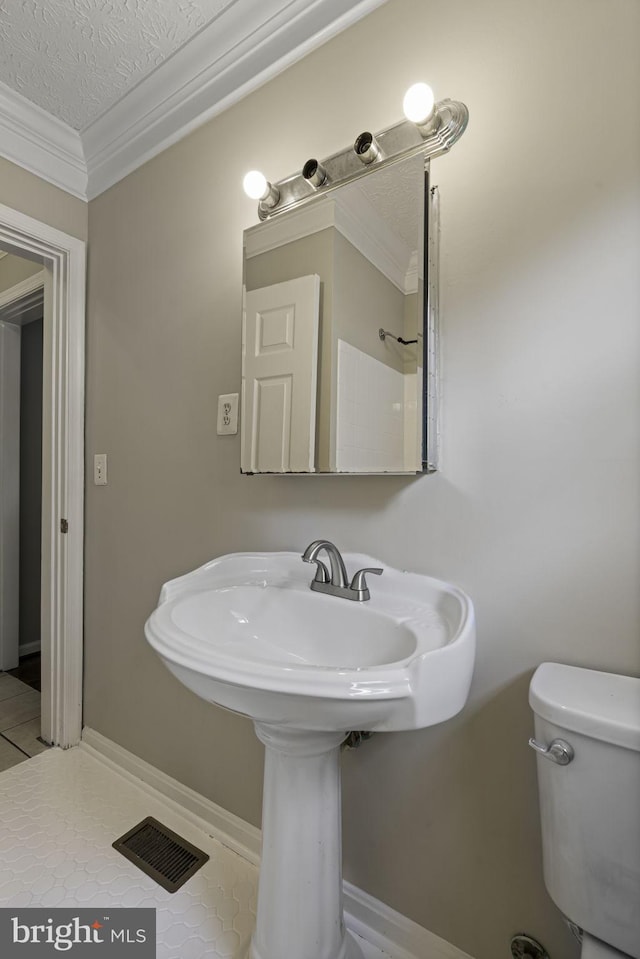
pixel 40 143
pixel 248 44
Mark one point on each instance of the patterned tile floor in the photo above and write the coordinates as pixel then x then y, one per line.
pixel 59 813
pixel 19 720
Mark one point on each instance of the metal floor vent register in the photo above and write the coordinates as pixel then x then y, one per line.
pixel 161 853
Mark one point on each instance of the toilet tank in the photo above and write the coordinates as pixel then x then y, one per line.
pixel 590 808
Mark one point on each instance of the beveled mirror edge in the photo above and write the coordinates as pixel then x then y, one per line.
pixel 431 361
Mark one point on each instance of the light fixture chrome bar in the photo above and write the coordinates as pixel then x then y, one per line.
pixel 397 142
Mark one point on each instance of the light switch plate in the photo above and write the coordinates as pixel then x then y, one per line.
pixel 100 469
pixel 228 413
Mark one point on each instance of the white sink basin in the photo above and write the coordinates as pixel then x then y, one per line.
pixel 246 632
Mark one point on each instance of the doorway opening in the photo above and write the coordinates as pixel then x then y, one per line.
pixel 21 329
pixel 57 288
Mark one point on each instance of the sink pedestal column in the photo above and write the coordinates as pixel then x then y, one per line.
pixel 300 885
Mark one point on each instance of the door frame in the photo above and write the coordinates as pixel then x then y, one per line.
pixel 64 261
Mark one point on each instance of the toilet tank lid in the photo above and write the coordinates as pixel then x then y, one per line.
pixel 601 705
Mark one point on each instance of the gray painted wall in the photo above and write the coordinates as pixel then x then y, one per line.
pixel 364 301
pixel 27 193
pixel 15 269
pixel 535 510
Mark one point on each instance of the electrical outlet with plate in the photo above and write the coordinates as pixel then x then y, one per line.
pixel 228 413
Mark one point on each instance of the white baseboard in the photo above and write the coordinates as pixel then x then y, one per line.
pixel 390 931
pixel 230 830
pixel 365 916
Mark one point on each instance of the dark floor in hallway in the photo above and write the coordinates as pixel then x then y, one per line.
pixel 28 671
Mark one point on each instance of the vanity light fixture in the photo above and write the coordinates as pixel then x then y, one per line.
pixel 430 130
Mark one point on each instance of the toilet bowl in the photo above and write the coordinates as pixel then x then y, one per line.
pixel 587 739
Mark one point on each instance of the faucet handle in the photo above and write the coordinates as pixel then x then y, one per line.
pixel 359 583
pixel 322 573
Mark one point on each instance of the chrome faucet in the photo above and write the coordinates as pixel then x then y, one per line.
pixel 336 583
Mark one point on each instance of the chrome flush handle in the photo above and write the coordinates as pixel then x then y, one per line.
pixel 559 751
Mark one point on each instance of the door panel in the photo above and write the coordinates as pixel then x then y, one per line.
pixel 279 377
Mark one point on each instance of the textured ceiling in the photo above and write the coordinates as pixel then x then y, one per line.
pixel 76 58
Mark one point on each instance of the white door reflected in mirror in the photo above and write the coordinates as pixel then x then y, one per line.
pixel 279 377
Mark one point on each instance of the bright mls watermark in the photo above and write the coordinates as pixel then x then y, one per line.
pixel 79 933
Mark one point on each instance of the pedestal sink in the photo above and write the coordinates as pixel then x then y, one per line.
pixel 245 632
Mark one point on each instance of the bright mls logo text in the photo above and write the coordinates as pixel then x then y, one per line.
pixel 67 935
pixel 40 932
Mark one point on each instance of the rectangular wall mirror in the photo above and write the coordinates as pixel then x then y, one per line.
pixel 338 339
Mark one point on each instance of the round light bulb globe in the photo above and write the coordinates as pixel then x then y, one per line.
pixel 418 103
pixel 255 184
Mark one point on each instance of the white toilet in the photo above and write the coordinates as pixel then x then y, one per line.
pixel 587 736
